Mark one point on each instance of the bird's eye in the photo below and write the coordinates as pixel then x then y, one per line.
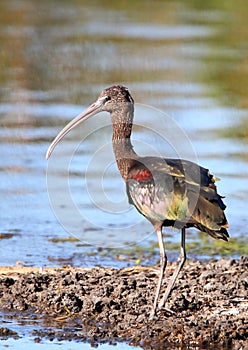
pixel 108 98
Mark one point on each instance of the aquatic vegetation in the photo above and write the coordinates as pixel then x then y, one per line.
pixel 239 131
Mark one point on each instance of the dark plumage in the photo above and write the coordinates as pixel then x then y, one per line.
pixel 187 190
pixel 168 192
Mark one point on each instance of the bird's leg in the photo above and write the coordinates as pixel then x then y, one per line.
pixel 163 263
pixel 181 261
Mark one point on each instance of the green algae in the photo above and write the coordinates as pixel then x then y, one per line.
pixel 197 245
pixel 239 131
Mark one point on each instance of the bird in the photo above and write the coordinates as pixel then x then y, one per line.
pixel 167 192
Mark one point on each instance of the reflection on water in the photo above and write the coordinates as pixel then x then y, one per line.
pixel 186 60
pixel 25 330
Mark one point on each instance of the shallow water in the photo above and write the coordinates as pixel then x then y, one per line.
pixel 61 344
pixel 26 329
pixel 54 62
pixel 187 60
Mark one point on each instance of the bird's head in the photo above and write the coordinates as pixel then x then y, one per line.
pixel 116 97
pixel 115 100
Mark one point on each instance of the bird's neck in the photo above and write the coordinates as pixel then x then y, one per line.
pixel 123 149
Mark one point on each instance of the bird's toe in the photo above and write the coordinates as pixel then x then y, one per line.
pixel 166 310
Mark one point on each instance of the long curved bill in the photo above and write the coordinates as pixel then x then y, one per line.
pixel 95 108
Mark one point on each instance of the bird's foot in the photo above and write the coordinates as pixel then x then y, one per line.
pixel 169 311
pixel 152 315
pixel 159 309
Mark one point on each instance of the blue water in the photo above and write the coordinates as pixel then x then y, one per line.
pixel 63 60
pixel 55 60
pixel 29 343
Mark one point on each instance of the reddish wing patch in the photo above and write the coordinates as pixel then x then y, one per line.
pixel 142 175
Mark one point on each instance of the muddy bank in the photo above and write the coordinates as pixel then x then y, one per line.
pixel 209 304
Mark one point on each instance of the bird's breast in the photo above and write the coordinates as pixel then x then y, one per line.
pixel 157 200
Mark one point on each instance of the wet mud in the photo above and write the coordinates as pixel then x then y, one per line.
pixel 209 304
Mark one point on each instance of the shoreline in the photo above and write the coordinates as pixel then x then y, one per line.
pixel 209 303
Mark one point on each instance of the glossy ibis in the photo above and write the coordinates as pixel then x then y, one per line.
pixel 168 192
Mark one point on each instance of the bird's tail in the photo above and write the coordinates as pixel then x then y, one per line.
pixel 209 217
pixel 217 234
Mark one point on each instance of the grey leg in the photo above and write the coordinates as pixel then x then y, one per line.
pixel 181 261
pixel 163 263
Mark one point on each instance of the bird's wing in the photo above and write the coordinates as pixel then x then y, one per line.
pixel 194 176
pixel 189 180
pixel 189 171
